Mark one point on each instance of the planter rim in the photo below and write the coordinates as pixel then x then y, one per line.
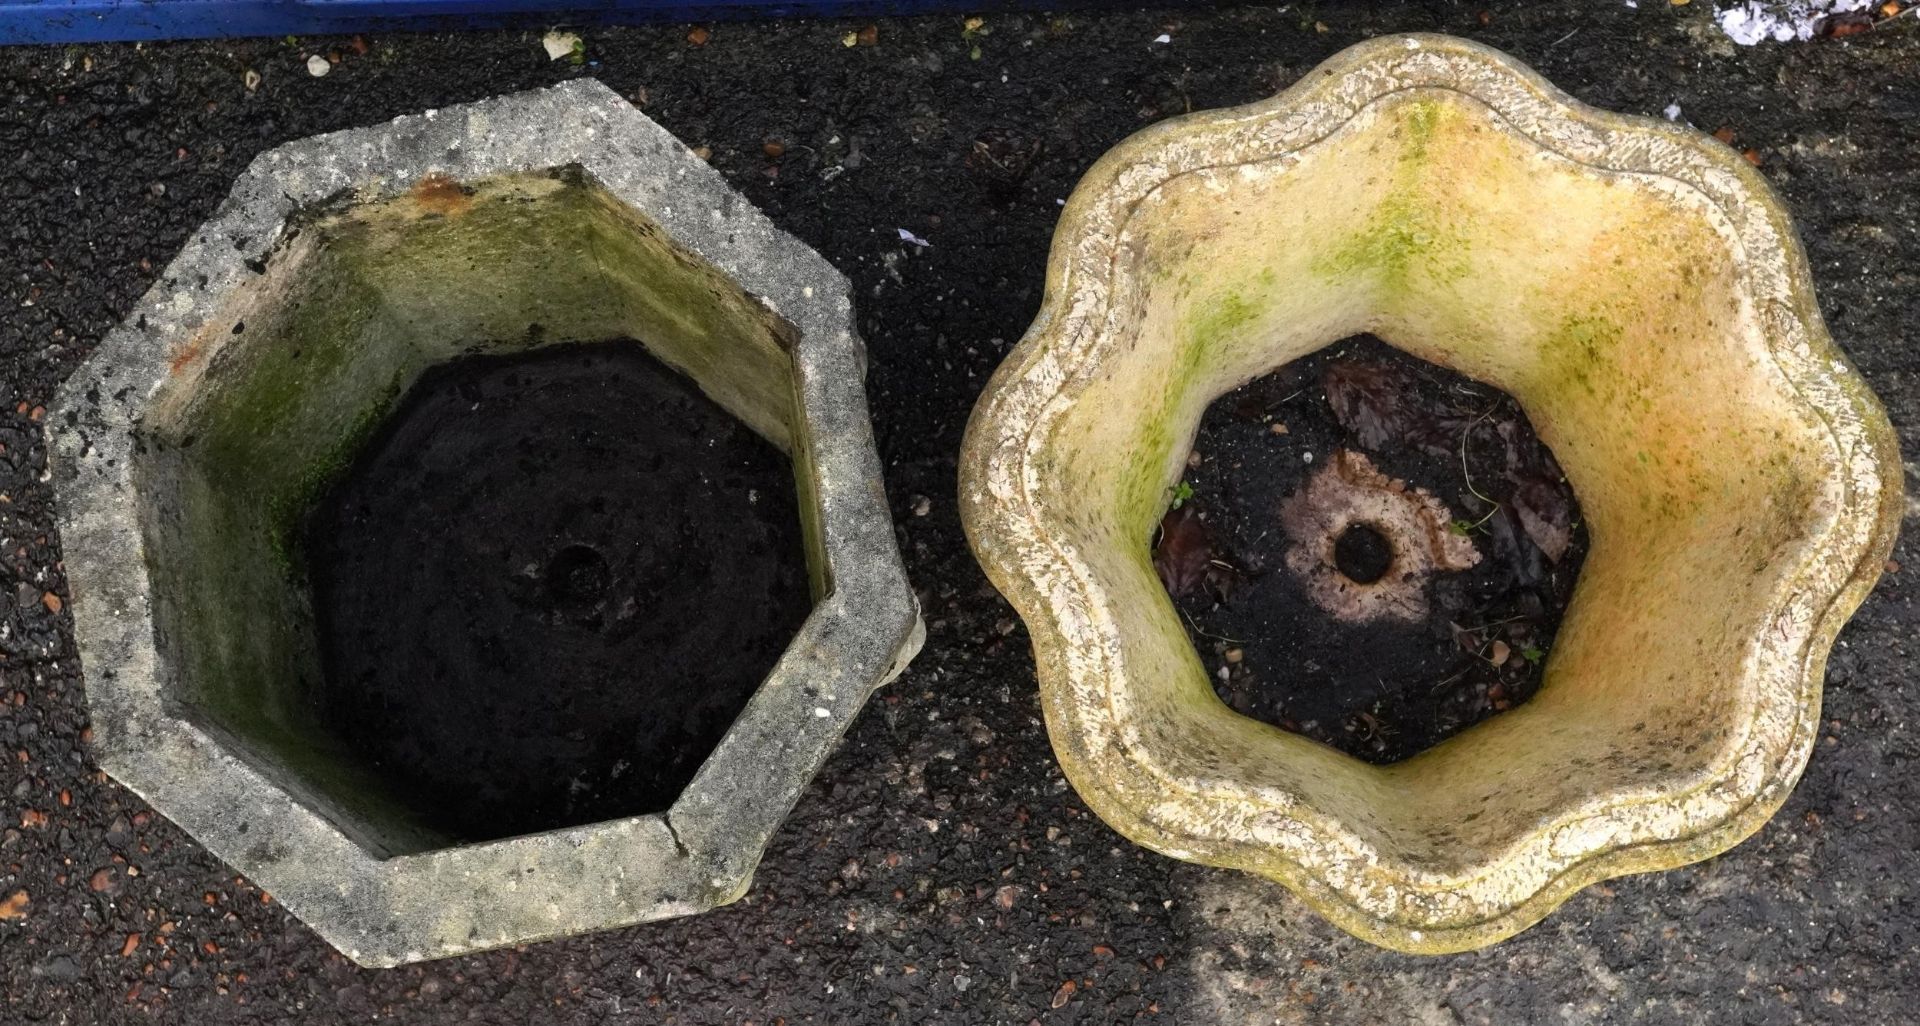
pixel 699 854
pixel 1364 890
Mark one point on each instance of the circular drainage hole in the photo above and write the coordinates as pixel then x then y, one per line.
pixel 1363 554
pixel 577 576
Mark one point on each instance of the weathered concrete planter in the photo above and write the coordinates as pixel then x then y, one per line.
pixel 1638 289
pixel 340 268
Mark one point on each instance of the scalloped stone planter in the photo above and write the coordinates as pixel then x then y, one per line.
pixel 338 270
pixel 1636 287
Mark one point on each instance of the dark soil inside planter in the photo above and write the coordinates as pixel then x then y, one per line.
pixel 1378 633
pixel 549 585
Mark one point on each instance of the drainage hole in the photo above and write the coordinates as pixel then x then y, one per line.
pixel 577 576
pixel 1362 553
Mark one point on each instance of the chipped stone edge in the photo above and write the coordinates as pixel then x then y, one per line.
pixel 702 852
pixel 1362 890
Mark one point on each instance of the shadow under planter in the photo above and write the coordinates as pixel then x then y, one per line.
pixel 530 272
pixel 1636 288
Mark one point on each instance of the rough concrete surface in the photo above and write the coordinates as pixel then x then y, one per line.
pixel 939 869
pixel 381 905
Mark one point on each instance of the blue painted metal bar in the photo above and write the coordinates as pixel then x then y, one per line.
pixel 98 21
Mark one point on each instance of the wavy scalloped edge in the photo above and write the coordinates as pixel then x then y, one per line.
pixel 1325 864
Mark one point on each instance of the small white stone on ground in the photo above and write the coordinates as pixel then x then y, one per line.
pixel 559 44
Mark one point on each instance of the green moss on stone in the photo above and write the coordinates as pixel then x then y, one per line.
pixel 1422 117
pixel 1407 232
pixel 1226 316
pixel 1581 348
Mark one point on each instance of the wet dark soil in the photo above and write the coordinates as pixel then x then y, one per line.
pixel 550 583
pixel 1387 687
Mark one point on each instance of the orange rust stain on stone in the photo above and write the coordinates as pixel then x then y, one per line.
pixel 186 355
pixel 439 194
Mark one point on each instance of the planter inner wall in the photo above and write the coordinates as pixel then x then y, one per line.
pixel 354 305
pixel 1605 303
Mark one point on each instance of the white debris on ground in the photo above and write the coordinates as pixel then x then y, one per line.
pixel 318 66
pixel 908 237
pixel 560 44
pixel 1672 112
pixel 1756 21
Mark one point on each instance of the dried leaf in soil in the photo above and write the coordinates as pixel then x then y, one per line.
pixel 1184 555
pixel 15 906
pixel 1511 546
pixel 1546 514
pixel 1541 500
pixel 1380 405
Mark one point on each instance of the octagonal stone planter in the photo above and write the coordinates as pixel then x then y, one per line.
pixel 337 271
pixel 1636 287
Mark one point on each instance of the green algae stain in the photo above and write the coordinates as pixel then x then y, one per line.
pixel 1222 319
pixel 1581 349
pixel 1142 497
pixel 1206 336
pixel 287 506
pixel 1407 233
pixel 1218 322
pixel 1422 118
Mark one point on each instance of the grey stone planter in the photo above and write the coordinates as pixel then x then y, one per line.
pixel 340 267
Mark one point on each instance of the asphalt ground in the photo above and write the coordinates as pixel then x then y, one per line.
pixel 940 870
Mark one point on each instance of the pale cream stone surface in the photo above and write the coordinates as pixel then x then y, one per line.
pixel 1636 287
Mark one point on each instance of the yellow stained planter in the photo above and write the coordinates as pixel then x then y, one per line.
pixel 1636 287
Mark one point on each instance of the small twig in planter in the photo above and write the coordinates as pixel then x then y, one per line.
pixel 1375 729
pixel 1204 634
pixel 1465 472
pixel 1462 528
pixel 1496 623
